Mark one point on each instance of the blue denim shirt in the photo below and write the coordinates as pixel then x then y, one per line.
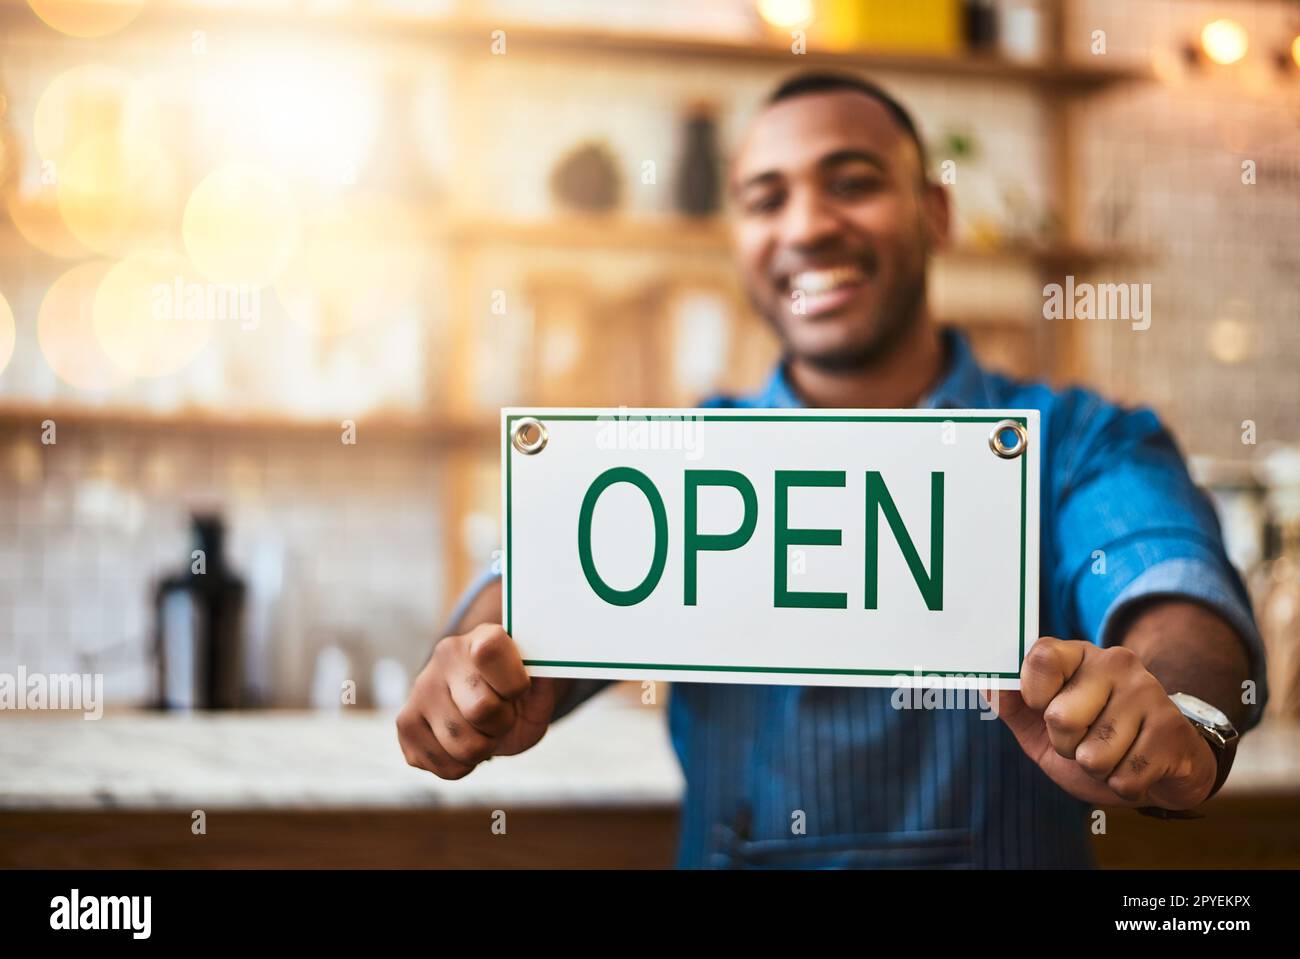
pixel 831 776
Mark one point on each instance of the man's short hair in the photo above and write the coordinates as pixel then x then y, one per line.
pixel 803 84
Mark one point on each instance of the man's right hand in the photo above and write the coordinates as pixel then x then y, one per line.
pixel 475 700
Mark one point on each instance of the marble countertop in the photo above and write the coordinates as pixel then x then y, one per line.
pixel 1268 761
pixel 613 752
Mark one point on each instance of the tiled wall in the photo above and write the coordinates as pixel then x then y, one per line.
pixel 1224 344
pixel 339 545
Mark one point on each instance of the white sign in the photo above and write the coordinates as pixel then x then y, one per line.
pixel 809 547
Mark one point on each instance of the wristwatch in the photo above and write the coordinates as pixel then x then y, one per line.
pixel 1218 732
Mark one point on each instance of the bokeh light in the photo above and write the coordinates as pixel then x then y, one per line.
pixel 303 117
pixel 98 142
pixel 37 219
pixel 138 320
pixel 358 262
pixel 1224 41
pixel 786 13
pixel 65 330
pixel 1229 341
pixel 114 200
pixel 6 333
pixel 240 226
pixel 87 18
pixel 80 103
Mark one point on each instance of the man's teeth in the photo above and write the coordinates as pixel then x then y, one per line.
pixel 822 281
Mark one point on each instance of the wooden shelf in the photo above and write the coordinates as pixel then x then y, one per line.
pixel 711 236
pixel 374 426
pixel 1050 258
pixel 537 39
pixel 529 38
pixel 670 234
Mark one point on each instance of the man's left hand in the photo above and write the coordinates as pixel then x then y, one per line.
pixel 1104 729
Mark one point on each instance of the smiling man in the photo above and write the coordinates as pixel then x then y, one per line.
pixel 1150 660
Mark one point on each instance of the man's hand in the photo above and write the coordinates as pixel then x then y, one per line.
pixel 1104 729
pixel 474 700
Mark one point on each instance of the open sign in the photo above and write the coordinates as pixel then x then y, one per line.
pixel 824 547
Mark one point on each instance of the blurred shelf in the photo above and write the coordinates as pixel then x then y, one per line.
pixel 1063 257
pixel 472 35
pixel 671 234
pixel 987 322
pixel 374 426
pixel 614 231
pixel 530 38
pixel 711 236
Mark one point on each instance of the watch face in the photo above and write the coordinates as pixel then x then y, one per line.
pixel 1200 710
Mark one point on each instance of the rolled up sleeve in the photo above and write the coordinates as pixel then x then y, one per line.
pixel 1131 526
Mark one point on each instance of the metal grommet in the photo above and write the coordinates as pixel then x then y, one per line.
pixel 1008 452
pixel 526 446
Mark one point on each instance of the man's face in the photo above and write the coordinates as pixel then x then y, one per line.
pixel 833 223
